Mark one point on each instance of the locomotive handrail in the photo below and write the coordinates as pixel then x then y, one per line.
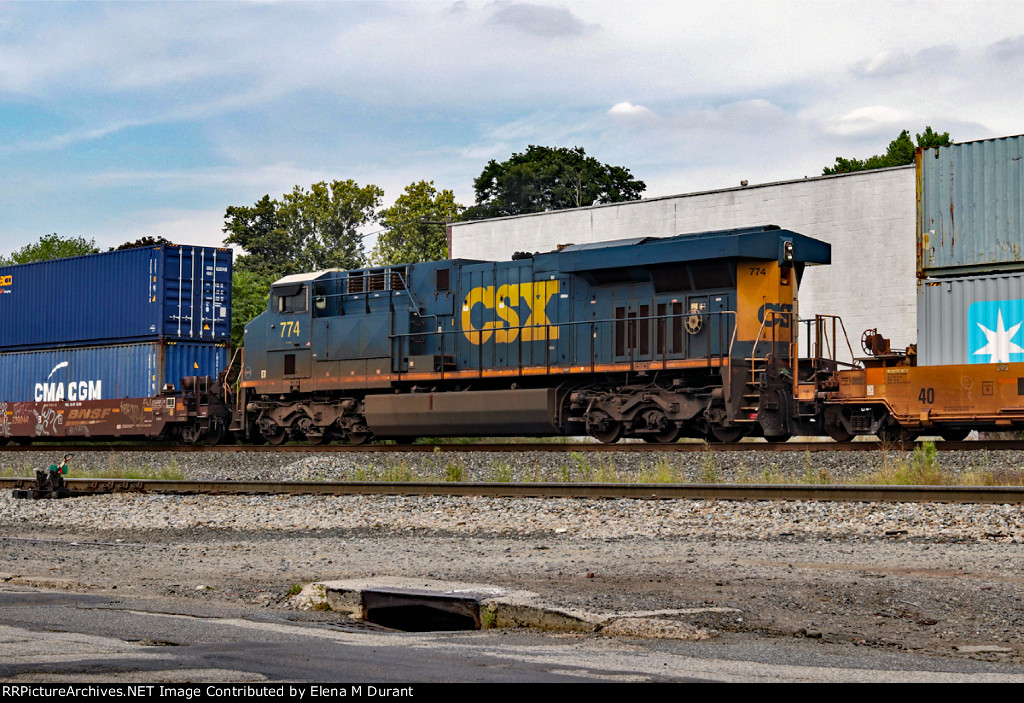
pixel 478 334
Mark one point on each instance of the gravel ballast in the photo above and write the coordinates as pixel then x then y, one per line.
pixel 940 578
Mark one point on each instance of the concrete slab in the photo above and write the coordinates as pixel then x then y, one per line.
pixel 504 608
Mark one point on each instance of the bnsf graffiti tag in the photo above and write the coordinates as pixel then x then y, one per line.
pixel 781 318
pixel 88 413
pixel 505 301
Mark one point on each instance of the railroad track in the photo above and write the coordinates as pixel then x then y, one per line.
pixel 155 447
pixel 636 491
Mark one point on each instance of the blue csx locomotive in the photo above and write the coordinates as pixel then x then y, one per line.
pixel 655 338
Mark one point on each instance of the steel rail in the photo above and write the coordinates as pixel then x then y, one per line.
pixel 636 491
pixel 557 447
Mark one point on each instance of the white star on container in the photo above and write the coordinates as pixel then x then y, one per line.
pixel 1000 342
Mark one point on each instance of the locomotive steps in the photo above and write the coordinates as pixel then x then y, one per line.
pixel 421 605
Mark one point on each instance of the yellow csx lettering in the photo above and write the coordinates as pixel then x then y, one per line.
pixel 505 301
pixel 6 280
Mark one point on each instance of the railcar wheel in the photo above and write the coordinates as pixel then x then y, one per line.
pixel 727 435
pixel 215 435
pixel 954 435
pixel 778 438
pixel 838 433
pixel 317 439
pixel 834 427
pixel 895 433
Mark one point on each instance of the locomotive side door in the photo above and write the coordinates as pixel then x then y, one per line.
pixel 288 340
pixel 720 324
pixel 633 326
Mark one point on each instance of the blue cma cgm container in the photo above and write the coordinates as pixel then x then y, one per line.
pixel 167 292
pixel 105 373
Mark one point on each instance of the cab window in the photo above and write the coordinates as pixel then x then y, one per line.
pixel 289 298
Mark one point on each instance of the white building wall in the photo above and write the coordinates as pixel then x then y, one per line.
pixel 869 218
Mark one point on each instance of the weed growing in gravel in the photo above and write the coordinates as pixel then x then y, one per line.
pixel 295 589
pixel 583 466
pixel 663 472
pixel 502 473
pixel 455 473
pixel 812 476
pixel 771 474
pixel 709 468
pixel 922 469
pixel 401 473
pixel 607 473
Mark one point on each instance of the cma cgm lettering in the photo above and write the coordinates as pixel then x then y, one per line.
pixel 73 390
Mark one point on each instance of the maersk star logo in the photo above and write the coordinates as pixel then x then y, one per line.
pixel 990 341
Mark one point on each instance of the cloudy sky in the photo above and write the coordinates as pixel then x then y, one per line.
pixel 119 120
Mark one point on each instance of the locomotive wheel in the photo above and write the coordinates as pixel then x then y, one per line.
pixel 669 435
pixel 727 435
pixel 359 437
pixel 277 439
pixel 954 435
pixel 610 434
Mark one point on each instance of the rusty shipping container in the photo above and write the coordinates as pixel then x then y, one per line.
pixel 971 208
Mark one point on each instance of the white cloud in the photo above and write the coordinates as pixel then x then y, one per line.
pixel 539 20
pixel 628 110
pixel 884 63
pixel 871 120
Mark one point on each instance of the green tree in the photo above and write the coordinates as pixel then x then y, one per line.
pixel 324 223
pixel 548 178
pixel 259 231
pixel 146 241
pixel 50 246
pixel 899 153
pixel 415 226
pixel 249 293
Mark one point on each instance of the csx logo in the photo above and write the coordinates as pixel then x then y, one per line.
pixel 781 318
pixel 506 302
pixel 6 280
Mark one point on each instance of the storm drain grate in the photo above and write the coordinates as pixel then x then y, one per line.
pixel 421 611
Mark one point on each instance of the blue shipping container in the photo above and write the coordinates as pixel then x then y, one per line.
pixel 105 373
pixel 166 292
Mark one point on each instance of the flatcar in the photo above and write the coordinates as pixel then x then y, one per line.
pixel 653 338
pixel 891 397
